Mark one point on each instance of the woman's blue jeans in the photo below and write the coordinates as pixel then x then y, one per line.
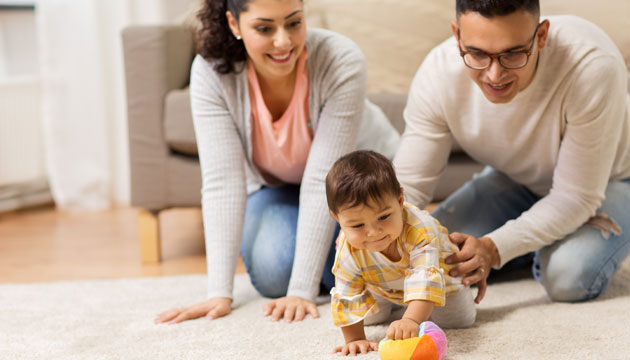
pixel 268 245
pixel 576 268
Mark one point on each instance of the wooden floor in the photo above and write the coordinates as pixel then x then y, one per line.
pixel 43 244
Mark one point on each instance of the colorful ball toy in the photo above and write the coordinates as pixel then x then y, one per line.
pixel 430 344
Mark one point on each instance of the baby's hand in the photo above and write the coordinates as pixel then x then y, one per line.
pixel 402 329
pixel 357 347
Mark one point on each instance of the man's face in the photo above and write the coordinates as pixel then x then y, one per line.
pixel 501 34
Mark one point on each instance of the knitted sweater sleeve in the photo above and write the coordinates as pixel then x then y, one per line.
pixel 595 108
pixel 340 80
pixel 426 141
pixel 224 194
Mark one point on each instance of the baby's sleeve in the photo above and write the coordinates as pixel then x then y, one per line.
pixel 350 300
pixel 424 279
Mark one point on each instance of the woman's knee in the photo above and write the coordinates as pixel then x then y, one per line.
pixel 270 275
pixel 268 250
pixel 270 261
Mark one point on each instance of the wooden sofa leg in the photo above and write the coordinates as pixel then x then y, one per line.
pixel 149 227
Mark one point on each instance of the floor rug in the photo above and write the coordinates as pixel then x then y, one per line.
pixel 113 319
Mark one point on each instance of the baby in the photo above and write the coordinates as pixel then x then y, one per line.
pixel 389 252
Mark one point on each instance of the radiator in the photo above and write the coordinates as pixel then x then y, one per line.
pixel 22 168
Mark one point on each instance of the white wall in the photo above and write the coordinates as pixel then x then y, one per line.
pixel 18 54
pixel 138 12
pixel 84 95
pixel 21 150
pixel 23 178
pixel 160 11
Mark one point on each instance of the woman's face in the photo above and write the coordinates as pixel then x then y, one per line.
pixel 273 32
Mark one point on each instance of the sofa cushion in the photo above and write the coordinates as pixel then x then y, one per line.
pixel 611 15
pixel 393 105
pixel 179 131
pixel 395 36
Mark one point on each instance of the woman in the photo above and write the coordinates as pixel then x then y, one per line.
pixel 274 105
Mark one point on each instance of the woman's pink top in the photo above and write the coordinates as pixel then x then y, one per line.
pixel 280 148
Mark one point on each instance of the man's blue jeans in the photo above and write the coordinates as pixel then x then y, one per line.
pixel 576 268
pixel 268 245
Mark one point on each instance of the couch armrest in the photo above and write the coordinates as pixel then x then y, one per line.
pixel 157 59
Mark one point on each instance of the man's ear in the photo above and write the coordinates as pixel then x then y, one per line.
pixel 455 29
pixel 543 33
pixel 232 23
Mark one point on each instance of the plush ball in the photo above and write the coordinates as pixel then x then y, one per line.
pixel 430 344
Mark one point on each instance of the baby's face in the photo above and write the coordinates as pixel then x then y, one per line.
pixel 374 226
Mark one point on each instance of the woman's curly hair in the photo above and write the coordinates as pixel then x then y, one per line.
pixel 215 40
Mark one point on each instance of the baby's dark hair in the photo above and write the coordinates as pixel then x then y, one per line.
pixel 358 177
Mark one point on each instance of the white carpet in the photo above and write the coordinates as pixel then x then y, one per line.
pixel 113 319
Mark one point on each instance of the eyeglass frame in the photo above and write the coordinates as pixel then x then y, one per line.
pixel 529 52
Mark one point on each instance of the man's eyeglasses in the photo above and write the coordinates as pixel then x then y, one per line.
pixel 479 60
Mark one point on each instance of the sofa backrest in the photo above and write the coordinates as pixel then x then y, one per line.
pixel 395 36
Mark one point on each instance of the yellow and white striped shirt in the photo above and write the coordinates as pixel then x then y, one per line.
pixel 420 274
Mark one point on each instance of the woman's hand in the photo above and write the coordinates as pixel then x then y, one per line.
pixel 357 347
pixel 212 309
pixel 290 308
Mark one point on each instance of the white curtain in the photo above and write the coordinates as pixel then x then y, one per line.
pixel 84 108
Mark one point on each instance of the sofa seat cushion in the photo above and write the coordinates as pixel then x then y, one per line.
pixel 179 130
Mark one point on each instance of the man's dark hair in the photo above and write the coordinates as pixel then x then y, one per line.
pixel 492 8
pixel 359 177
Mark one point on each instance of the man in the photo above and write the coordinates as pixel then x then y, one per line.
pixel 544 105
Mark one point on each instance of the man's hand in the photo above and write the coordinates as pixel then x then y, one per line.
pixel 212 309
pixel 474 260
pixel 290 308
pixel 402 329
pixel 357 347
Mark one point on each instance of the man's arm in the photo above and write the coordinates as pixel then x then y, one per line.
pixel 426 142
pixel 594 117
pixel 595 107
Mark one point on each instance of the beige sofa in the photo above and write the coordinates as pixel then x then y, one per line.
pixel 394 35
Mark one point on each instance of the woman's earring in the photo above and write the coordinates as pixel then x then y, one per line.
pixel 238 37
